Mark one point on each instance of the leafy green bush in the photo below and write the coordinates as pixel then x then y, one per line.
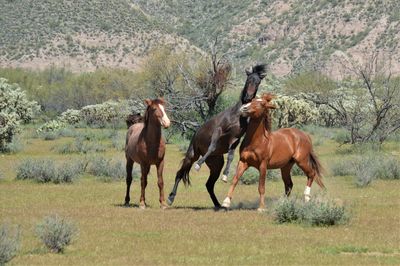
pixel 9 243
pixel 317 212
pixel 56 232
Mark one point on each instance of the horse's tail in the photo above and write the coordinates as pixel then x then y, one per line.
pixel 186 164
pixel 317 167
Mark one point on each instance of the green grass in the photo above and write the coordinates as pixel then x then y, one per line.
pixel 190 232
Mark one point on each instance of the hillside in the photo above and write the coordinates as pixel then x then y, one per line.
pixel 80 35
pixel 290 35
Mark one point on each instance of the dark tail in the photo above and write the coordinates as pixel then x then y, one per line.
pixel 317 167
pixel 186 164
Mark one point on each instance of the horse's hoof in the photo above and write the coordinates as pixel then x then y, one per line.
pixel 170 201
pixel 227 203
pixel 220 209
pixel 261 210
pixel 224 178
pixel 163 207
pixel 197 166
pixel 142 206
pixel 126 204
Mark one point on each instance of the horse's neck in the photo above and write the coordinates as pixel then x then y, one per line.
pixel 256 131
pixel 152 131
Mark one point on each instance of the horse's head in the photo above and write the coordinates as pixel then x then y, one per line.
pixel 258 107
pixel 155 109
pixel 254 77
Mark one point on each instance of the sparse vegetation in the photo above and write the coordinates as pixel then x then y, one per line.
pixel 317 212
pixel 9 243
pixel 56 232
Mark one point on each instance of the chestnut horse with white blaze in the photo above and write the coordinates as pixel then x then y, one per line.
pixel 263 149
pixel 146 146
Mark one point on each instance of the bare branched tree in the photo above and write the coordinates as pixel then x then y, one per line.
pixel 368 102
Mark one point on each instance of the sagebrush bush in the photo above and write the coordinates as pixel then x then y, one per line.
pixel 9 243
pixel 317 212
pixel 56 232
pixel 342 167
pixel 251 176
pixel 46 170
pixel 367 167
pixel 108 170
pixel 14 146
pixel 287 210
pixel 296 171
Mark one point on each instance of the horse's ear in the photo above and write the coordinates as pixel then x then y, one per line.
pixel 249 71
pixel 148 102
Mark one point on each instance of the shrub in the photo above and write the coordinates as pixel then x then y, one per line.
pixel 365 169
pixel 317 212
pixel 108 170
pixel 287 210
pixel 342 167
pixel 14 146
pixel 118 141
pixel 252 175
pixel 46 170
pixel 9 243
pixel 323 213
pixel 56 232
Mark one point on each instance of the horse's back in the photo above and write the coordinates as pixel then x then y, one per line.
pixel 132 137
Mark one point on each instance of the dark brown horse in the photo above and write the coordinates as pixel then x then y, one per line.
pixel 133 119
pixel 146 146
pixel 264 150
pixel 219 135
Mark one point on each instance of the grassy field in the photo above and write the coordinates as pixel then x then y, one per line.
pixel 191 232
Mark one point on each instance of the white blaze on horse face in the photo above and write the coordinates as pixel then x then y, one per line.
pixel 243 110
pixel 165 122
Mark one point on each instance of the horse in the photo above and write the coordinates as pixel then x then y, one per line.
pixel 133 119
pixel 146 146
pixel 219 135
pixel 263 149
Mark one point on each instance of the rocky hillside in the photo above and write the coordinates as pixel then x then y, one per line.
pixel 290 35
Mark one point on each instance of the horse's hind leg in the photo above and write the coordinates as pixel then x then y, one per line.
pixel 310 173
pixel 129 167
pixel 287 178
pixel 215 163
pixel 213 145
pixel 160 183
pixel 143 182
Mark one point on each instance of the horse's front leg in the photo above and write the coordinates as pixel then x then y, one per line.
pixel 261 187
pixel 213 145
pixel 241 167
pixel 160 183
pixel 143 181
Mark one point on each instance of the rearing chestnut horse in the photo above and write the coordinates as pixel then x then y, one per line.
pixel 146 146
pixel 264 150
pixel 219 135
